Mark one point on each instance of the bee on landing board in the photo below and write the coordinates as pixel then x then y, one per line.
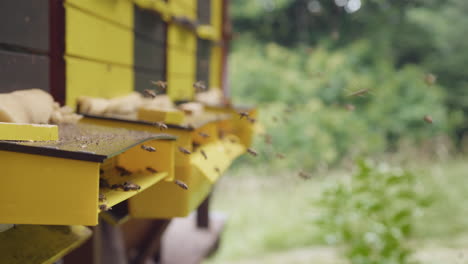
pixel 123 171
pixel 148 148
pixel 104 207
pixel 243 114
pixel 181 184
pixel 184 151
pixel 161 125
pixel 130 186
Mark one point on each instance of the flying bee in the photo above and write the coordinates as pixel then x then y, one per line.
pixel 130 186
pixel 151 170
pixel 104 207
pixel 428 119
pixel 123 171
pixel 304 175
pixel 148 148
pixel 184 151
pixel 149 93
pixel 203 135
pixel 103 183
pixel 243 114
pixel 268 139
pixel 280 156
pixel 252 152
pixel 217 170
pixel 359 92
pixel 102 197
pixel 199 86
pixel 161 125
pixel 430 79
pixel 251 120
pixel 203 154
pixel 349 107
pixel 160 84
pixel 275 119
pixel 181 184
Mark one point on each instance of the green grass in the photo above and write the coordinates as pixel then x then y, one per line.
pixel 275 213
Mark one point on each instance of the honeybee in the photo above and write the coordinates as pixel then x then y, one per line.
pixel 203 154
pixel 251 120
pixel 161 125
pixel 102 197
pixel 130 186
pixel 148 148
pixel 349 107
pixel 160 84
pixel 359 92
pixel 252 152
pixel 149 93
pixel 217 170
pixel 104 207
pixel 428 119
pixel 116 186
pixel 430 79
pixel 181 184
pixel 199 86
pixel 275 119
pixel 304 175
pixel 123 171
pixel 184 151
pixel 203 135
pixel 280 156
pixel 151 170
pixel 103 183
pixel 243 114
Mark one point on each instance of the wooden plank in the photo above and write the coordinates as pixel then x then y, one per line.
pixel 118 12
pixel 25 23
pixel 19 71
pixel 184 243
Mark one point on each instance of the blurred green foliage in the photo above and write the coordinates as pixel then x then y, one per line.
pixel 303 95
pixel 373 214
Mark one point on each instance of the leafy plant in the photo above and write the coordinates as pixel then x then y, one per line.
pixel 373 215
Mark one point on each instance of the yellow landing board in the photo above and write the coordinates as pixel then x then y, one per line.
pixel 145 181
pixel 12 131
pixel 219 156
pixel 35 244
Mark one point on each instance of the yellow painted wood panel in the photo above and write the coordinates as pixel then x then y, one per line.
pixel 13 131
pixel 118 11
pixel 49 191
pixel 89 37
pixel 217 17
pixel 96 79
pixel 186 8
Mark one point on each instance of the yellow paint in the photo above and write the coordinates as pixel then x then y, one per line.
pixel 47 190
pixel 95 79
pixel 172 201
pixel 216 66
pixel 40 244
pixel 156 5
pixel 207 32
pixel 97 39
pixel 154 115
pixel 12 131
pixel 210 129
pixel 220 154
pixel 217 17
pixel 187 8
pixel 117 11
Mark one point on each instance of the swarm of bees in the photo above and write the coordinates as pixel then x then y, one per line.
pixel 184 150
pixel 181 184
pixel 148 148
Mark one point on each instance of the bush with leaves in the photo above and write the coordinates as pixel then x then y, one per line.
pixel 373 215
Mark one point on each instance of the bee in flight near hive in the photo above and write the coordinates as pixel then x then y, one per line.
pixel 162 86
pixel 161 125
pixel 243 114
pixel 102 197
pixel 359 92
pixel 430 79
pixel 184 151
pixel 149 93
pixel 181 184
pixel 252 152
pixel 199 86
pixel 203 135
pixel 428 119
pixel 123 171
pixel 304 175
pixel 148 148
pixel 251 120
pixel 280 156
pixel 203 154
pixel 217 170
pixel 151 170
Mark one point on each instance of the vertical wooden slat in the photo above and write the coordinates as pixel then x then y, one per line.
pixel 57 50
